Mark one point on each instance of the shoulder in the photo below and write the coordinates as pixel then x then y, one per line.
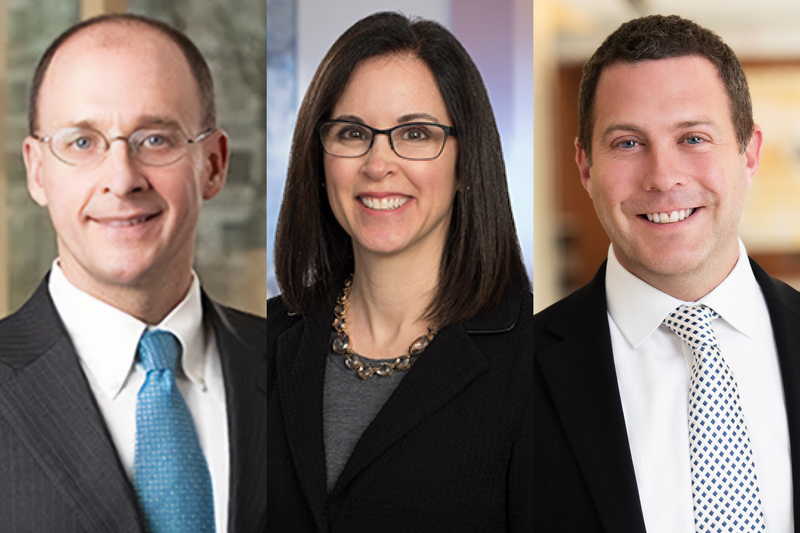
pixel 279 320
pixel 575 314
pixel 775 289
pixel 31 330
pixel 279 317
pixel 507 330
pixel 249 329
pixel 513 313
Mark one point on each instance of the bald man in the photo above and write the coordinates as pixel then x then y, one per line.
pixel 129 400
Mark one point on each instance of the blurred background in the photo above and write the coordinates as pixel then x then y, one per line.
pixel 231 258
pixel 498 35
pixel 569 242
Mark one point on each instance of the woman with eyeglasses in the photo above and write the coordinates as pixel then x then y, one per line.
pixel 400 360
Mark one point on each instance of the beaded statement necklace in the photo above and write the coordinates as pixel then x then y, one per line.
pixel 341 343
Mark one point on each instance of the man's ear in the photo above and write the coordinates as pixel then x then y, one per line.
pixel 217 159
pixel 753 154
pixel 582 159
pixel 32 155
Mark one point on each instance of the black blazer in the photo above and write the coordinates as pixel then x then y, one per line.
pixel 59 469
pixel 584 477
pixel 450 451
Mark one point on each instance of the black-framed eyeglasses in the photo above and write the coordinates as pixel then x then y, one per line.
pixel 417 141
pixel 155 147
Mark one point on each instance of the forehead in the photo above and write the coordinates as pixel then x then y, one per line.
pixel 648 93
pixel 117 73
pixel 391 86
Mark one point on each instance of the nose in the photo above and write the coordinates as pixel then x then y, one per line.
pixel 120 174
pixel 664 169
pixel 380 159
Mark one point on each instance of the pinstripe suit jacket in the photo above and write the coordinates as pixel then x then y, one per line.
pixel 584 480
pixel 59 470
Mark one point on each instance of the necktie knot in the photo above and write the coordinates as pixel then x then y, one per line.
pixel 692 323
pixel 159 350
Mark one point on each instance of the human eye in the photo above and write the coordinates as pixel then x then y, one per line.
pixel 78 140
pixel 352 132
pixel 627 144
pixel 694 139
pixel 83 143
pixel 156 139
pixel 415 133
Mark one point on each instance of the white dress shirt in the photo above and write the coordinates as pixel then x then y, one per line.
pixel 106 341
pixel 653 369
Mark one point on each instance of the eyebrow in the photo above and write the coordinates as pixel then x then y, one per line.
pixel 630 128
pixel 411 117
pixel 693 123
pixel 157 120
pixel 145 121
pixel 417 116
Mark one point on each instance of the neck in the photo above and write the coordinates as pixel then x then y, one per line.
pixel 149 302
pixel 693 285
pixel 388 301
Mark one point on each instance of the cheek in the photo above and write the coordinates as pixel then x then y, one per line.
pixel 184 196
pixel 613 184
pixel 67 198
pixel 338 172
pixel 435 176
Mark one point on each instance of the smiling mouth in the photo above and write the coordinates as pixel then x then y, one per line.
pixel 671 217
pixel 383 204
pixel 128 222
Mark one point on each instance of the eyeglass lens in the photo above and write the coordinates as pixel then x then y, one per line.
pixel 410 141
pixel 156 146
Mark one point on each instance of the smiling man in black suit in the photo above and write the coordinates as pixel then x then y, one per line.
pixel 129 400
pixel 666 390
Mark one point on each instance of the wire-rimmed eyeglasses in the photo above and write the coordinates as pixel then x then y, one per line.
pixel 155 147
pixel 417 141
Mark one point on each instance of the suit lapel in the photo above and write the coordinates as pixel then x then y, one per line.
pixel 783 303
pixel 581 378
pixel 448 365
pixel 49 406
pixel 242 351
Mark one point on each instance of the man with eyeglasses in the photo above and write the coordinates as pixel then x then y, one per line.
pixel 129 400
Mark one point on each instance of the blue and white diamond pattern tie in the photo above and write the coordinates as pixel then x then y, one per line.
pixel 171 477
pixel 724 484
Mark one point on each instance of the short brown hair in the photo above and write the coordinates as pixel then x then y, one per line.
pixel 194 58
pixel 663 37
pixel 481 260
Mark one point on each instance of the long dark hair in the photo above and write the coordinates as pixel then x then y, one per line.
pixel 481 260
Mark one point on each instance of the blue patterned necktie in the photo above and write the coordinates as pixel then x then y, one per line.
pixel 724 483
pixel 171 478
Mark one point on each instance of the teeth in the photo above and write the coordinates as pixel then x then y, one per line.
pixel 127 223
pixel 668 218
pixel 383 204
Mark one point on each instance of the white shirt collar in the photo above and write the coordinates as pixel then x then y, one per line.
pixel 106 338
pixel 638 308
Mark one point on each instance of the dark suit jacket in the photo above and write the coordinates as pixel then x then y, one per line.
pixel 449 452
pixel 59 469
pixel 584 477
